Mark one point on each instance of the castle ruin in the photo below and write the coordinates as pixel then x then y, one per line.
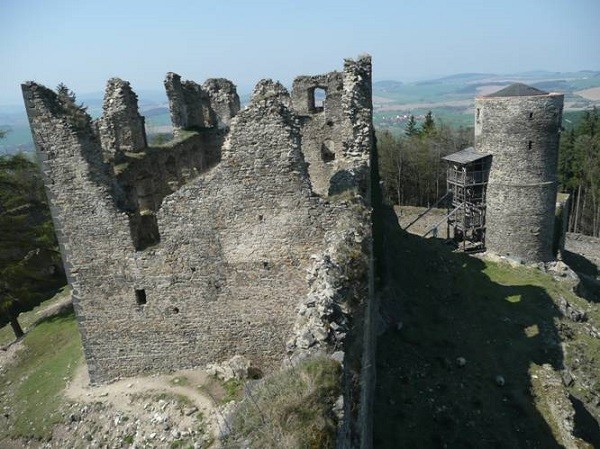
pixel 197 250
pixel 504 189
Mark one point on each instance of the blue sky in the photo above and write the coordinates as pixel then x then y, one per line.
pixel 84 42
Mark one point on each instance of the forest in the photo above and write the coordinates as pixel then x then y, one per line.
pixel 410 165
pixel 30 263
pixel 579 173
pixel 413 173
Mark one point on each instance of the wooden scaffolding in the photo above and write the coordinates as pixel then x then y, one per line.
pixel 466 181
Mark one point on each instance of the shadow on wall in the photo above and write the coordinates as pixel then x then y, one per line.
pixel 453 368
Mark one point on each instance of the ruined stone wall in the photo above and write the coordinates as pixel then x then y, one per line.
pixel 193 106
pixel 321 126
pixel 195 251
pixel 121 128
pixel 224 100
pixel 522 134
pixel 335 135
pixel 92 231
pixel 233 252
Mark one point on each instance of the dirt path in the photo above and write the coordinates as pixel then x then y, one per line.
pixel 180 409
pixel 156 411
pixel 121 394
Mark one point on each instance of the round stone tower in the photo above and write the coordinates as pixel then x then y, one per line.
pixel 520 127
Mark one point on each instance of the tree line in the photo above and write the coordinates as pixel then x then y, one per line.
pixel 413 173
pixel 579 173
pixel 410 164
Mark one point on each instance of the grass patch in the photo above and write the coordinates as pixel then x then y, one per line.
pixel 222 392
pixel 290 409
pixel 183 135
pixel 31 388
pixel 26 319
pixel 233 390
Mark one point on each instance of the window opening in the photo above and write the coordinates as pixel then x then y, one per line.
pixel 316 99
pixel 140 297
pixel 530 144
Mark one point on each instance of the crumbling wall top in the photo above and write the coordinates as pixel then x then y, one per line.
pixel 121 127
pixel 194 106
pixel 224 99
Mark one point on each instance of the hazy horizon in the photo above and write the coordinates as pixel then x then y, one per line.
pixel 85 43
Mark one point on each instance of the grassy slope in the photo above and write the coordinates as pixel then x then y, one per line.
pixel 502 320
pixel 31 389
pixel 27 319
pixel 290 409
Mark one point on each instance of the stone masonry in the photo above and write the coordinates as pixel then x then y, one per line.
pixel 520 127
pixel 197 250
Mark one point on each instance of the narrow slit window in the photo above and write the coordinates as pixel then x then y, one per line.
pixel 140 297
pixel 530 145
pixel 530 115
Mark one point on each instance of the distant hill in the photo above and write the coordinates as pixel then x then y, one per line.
pixel 387 86
pixel 458 78
pixel 451 98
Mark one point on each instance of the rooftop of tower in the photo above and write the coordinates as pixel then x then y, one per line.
pixel 517 90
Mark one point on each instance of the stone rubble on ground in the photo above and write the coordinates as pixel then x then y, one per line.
pixel 238 367
pixel 157 424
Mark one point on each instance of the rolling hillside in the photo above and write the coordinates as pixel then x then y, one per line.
pixel 450 98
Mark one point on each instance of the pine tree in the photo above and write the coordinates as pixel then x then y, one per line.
pixel 411 127
pixel 80 120
pixel 429 125
pixel 579 173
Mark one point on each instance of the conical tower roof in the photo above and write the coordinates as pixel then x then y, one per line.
pixel 517 90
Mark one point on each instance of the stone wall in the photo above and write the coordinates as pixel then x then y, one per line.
pixel 336 134
pixel 321 126
pixel 121 128
pixel 192 252
pixel 522 134
pixel 195 107
pixel 87 207
pixel 586 246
